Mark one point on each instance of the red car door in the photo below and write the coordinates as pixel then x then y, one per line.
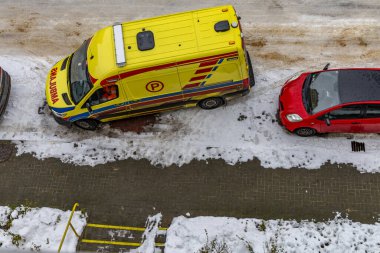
pixel 371 120
pixel 347 119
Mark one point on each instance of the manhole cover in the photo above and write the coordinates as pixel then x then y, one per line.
pixel 6 150
pixel 357 146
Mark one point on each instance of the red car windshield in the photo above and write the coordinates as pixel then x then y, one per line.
pixel 321 91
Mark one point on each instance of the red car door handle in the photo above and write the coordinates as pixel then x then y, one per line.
pixel 355 123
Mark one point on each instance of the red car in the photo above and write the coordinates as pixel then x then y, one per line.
pixel 331 101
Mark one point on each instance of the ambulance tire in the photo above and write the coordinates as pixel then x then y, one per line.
pixel 211 103
pixel 87 124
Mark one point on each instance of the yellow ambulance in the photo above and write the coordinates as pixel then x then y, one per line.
pixel 195 58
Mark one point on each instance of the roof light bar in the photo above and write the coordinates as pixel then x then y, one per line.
pixel 119 45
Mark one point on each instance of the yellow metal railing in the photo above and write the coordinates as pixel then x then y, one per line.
pixel 67 227
pixel 119 227
pixel 131 244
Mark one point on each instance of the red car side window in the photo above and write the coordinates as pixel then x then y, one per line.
pixel 373 111
pixel 348 112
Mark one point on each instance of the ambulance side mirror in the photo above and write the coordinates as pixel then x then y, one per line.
pixel 88 106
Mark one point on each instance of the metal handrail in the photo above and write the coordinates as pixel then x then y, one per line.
pixel 67 227
pixel 130 244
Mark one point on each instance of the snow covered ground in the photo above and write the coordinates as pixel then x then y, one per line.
pixel 232 235
pixel 38 229
pixel 283 37
pixel 259 236
pixel 41 229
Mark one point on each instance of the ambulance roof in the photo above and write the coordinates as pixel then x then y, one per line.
pixel 176 37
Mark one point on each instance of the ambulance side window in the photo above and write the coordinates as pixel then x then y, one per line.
pixel 103 95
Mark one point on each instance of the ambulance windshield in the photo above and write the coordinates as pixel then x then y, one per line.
pixel 80 84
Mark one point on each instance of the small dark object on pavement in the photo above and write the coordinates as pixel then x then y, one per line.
pixel 242 117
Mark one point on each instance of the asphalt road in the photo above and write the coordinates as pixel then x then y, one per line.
pixel 127 192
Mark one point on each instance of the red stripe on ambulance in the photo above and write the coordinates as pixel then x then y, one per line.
pixel 191 85
pixel 208 63
pixel 200 71
pixel 197 78
pixel 164 66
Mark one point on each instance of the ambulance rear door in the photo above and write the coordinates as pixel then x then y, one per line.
pixel 210 76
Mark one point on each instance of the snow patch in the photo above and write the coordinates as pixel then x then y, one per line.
pixel 38 229
pixel 255 235
pixel 149 236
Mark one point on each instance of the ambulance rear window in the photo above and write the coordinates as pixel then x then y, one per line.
pixel 145 40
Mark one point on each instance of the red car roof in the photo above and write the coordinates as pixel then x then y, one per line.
pixel 357 85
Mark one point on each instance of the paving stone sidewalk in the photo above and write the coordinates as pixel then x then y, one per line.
pixel 126 192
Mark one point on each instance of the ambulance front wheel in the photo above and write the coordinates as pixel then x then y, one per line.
pixel 211 103
pixel 87 124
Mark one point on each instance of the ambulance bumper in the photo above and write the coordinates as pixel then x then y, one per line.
pixel 236 94
pixel 62 121
pixel 245 92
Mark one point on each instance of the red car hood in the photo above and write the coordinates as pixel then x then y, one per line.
pixel 291 96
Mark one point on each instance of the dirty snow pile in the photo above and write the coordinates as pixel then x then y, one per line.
pixel 38 229
pixel 149 235
pixel 239 132
pixel 230 235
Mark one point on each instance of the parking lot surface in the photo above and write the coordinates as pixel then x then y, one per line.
pixel 126 192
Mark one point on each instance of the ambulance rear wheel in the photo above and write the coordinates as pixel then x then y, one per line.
pixel 211 103
pixel 87 124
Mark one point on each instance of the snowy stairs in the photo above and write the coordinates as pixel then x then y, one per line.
pixel 109 238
